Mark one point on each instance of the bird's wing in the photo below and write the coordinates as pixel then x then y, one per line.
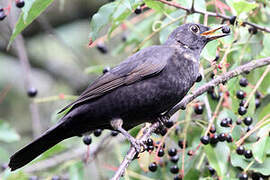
pixel 144 63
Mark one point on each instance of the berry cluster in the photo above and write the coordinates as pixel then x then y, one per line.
pixel 213 138
pixel 4 13
pixel 160 152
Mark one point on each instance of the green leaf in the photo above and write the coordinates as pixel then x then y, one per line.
pixel 76 171
pixel 259 148
pixel 122 11
pixel 240 161
pixel 32 9
pixel 216 160
pixel 7 134
pixel 210 50
pixel 243 6
pixel 100 19
pixel 156 5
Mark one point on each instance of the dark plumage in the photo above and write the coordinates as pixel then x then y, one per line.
pixel 138 90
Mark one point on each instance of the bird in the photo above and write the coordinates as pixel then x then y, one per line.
pixel 138 90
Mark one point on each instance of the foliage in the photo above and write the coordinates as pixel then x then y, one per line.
pixel 155 24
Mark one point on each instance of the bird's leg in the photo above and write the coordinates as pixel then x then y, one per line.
pixel 162 119
pixel 117 125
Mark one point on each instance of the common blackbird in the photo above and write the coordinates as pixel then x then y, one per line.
pixel 138 90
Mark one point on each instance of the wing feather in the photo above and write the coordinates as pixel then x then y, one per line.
pixel 133 69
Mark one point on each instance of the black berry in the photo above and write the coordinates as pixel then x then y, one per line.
pixel 243 176
pixel 181 144
pixel 174 169
pixel 20 3
pixel 190 153
pixel 102 48
pixel 252 30
pixel 106 69
pixel 87 140
pixel 150 148
pixel 2 14
pixel 161 152
pixel 114 133
pixel 243 82
pixel 174 159
pixel 243 102
pixel 229 120
pixel 216 58
pixel 32 92
pixel 198 109
pixel 242 110
pixel 213 129
pixel 248 120
pixel 222 137
pixel 240 150
pixel 240 94
pixel 214 139
pixel 229 138
pixel 226 29
pixel 149 142
pixel 224 123
pixel 177 177
pixel 169 123
pixel 248 154
pixel 97 132
pixel 138 10
pixel 258 95
pixel 152 167
pixel 199 78
pixel 232 20
pixel 211 170
pixel 172 152
pixel 205 140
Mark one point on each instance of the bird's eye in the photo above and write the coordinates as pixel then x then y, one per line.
pixel 195 29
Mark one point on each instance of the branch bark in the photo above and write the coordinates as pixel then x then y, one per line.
pixel 183 103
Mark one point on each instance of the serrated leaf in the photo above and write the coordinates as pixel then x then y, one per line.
pixel 7 134
pixel 29 13
pixel 101 19
pixel 240 161
pixel 243 6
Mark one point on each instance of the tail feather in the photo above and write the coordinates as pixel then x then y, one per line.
pixel 41 144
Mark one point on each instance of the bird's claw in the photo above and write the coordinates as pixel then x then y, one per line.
pixel 138 145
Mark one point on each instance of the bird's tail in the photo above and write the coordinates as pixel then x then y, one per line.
pixel 41 144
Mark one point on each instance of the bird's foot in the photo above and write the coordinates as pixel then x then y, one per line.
pixel 162 119
pixel 138 145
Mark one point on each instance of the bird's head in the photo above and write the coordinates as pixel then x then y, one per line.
pixel 195 36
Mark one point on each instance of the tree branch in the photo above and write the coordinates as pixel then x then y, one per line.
pixel 207 13
pixel 183 103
